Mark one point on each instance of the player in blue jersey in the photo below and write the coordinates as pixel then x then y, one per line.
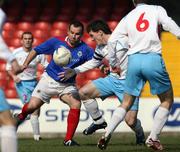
pixel 50 83
pixel 112 84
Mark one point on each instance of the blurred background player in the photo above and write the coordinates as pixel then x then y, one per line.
pixel 8 124
pixel 50 83
pixel 26 81
pixel 145 63
pixel 113 84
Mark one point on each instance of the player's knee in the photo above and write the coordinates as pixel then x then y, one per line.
pixel 73 100
pixel 130 121
pixel 83 94
pixel 32 106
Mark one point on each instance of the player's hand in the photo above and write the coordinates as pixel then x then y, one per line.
pixel 21 69
pixel 67 74
pixel 15 67
pixel 16 79
pixel 116 70
pixel 105 69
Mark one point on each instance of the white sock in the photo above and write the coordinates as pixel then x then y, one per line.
pixel 117 117
pixel 92 108
pixel 159 120
pixel 8 139
pixel 137 128
pixel 35 124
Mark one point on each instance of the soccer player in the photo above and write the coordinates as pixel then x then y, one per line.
pixel 8 124
pixel 50 83
pixel 145 63
pixel 26 81
pixel 113 84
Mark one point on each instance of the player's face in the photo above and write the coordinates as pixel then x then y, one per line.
pixel 74 35
pixel 97 37
pixel 27 41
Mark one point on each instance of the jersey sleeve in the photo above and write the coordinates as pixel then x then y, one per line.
pixel 91 64
pixel 5 53
pixel 167 23
pixel 43 61
pixel 46 47
pixel 2 19
pixel 117 39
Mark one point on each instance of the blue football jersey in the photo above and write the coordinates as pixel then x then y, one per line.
pixel 80 54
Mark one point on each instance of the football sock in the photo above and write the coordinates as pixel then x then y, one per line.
pixel 8 139
pixel 35 124
pixel 92 108
pixel 24 112
pixel 160 119
pixel 117 117
pixel 137 128
pixel 72 122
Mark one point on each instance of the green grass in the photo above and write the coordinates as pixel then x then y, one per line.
pixel 120 142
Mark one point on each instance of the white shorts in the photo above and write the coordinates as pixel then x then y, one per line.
pixel 47 87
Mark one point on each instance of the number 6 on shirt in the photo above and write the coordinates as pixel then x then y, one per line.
pixel 142 24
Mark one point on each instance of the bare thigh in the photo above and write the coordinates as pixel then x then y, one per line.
pixel 6 118
pixel 72 100
pixel 88 91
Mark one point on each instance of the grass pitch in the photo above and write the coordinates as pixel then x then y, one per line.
pixel 120 142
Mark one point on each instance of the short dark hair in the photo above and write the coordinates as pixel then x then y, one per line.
pixel 97 25
pixel 76 23
pixel 140 1
pixel 26 32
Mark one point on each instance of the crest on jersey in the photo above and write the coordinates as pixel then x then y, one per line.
pixel 79 53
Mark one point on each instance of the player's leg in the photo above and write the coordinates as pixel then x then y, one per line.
pixel 160 119
pixel 135 124
pixel 71 97
pixel 34 104
pixel 88 93
pixel 117 117
pixel 160 84
pixel 131 116
pixel 39 96
pixel 29 87
pixel 8 129
pixel 34 118
pixel 132 89
pixel 8 132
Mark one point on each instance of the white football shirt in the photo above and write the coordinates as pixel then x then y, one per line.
pixel 30 72
pixel 141 28
pixel 5 54
pixel 100 53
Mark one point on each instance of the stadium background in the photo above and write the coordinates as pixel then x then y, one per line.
pixel 47 18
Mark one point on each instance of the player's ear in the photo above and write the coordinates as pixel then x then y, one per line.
pixel 100 32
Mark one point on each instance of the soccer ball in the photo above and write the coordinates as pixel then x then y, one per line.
pixel 62 56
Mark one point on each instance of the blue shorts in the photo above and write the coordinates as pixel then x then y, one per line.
pixel 146 67
pixel 25 89
pixel 3 103
pixel 110 86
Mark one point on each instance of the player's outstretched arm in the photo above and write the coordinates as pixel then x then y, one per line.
pixel 29 58
pixel 15 67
